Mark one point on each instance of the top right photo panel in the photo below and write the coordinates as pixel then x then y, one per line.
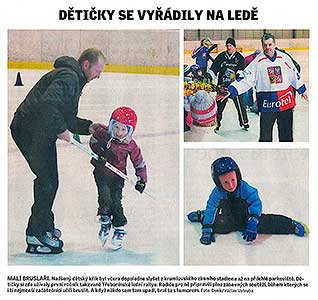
pixel 246 85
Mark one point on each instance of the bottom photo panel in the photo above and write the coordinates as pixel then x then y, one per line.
pixel 246 207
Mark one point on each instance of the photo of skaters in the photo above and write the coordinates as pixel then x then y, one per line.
pixel 84 181
pixel 251 204
pixel 258 79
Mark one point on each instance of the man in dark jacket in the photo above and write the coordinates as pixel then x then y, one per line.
pixel 49 112
pixel 226 66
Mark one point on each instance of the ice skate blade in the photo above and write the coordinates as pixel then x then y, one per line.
pixel 117 248
pixel 37 249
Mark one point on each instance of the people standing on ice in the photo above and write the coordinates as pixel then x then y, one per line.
pixel 202 54
pixel 113 144
pixel 49 112
pixel 275 78
pixel 234 205
pixel 226 66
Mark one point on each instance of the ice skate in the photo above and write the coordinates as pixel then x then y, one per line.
pixel 196 216
pixel 45 244
pixel 186 128
pixel 246 127
pixel 56 232
pixel 217 127
pixel 104 231
pixel 118 237
pixel 301 229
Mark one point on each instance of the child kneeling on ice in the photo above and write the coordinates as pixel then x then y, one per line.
pixel 113 144
pixel 234 205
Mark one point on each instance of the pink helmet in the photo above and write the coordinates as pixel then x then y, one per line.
pixel 124 115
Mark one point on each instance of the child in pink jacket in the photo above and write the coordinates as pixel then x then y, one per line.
pixel 114 143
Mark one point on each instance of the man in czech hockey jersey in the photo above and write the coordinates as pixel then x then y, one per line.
pixel 275 78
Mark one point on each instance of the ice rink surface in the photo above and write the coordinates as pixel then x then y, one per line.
pixel 153 224
pixel 231 131
pixel 281 177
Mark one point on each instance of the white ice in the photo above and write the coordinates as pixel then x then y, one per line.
pixel 281 177
pixel 153 231
pixel 231 131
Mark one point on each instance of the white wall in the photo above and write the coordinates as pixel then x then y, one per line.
pixel 121 47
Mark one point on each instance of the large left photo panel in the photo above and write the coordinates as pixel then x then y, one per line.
pixel 93 147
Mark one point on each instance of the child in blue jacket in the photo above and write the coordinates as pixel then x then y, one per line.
pixel 234 205
pixel 202 54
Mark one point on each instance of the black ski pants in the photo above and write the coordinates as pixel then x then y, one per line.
pixel 240 108
pixel 41 157
pixel 232 215
pixel 109 197
pixel 284 122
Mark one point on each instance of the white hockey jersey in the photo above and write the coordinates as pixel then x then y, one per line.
pixel 274 78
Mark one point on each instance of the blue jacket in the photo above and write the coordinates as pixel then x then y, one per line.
pixel 202 56
pixel 244 191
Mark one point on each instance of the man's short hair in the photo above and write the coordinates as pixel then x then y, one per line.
pixel 267 36
pixel 92 55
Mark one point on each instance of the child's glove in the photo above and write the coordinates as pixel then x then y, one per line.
pixel 207 236
pixel 140 186
pixel 250 232
pixel 101 161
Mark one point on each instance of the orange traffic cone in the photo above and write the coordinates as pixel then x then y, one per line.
pixel 18 81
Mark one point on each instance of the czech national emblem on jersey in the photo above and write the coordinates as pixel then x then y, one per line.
pixel 275 75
